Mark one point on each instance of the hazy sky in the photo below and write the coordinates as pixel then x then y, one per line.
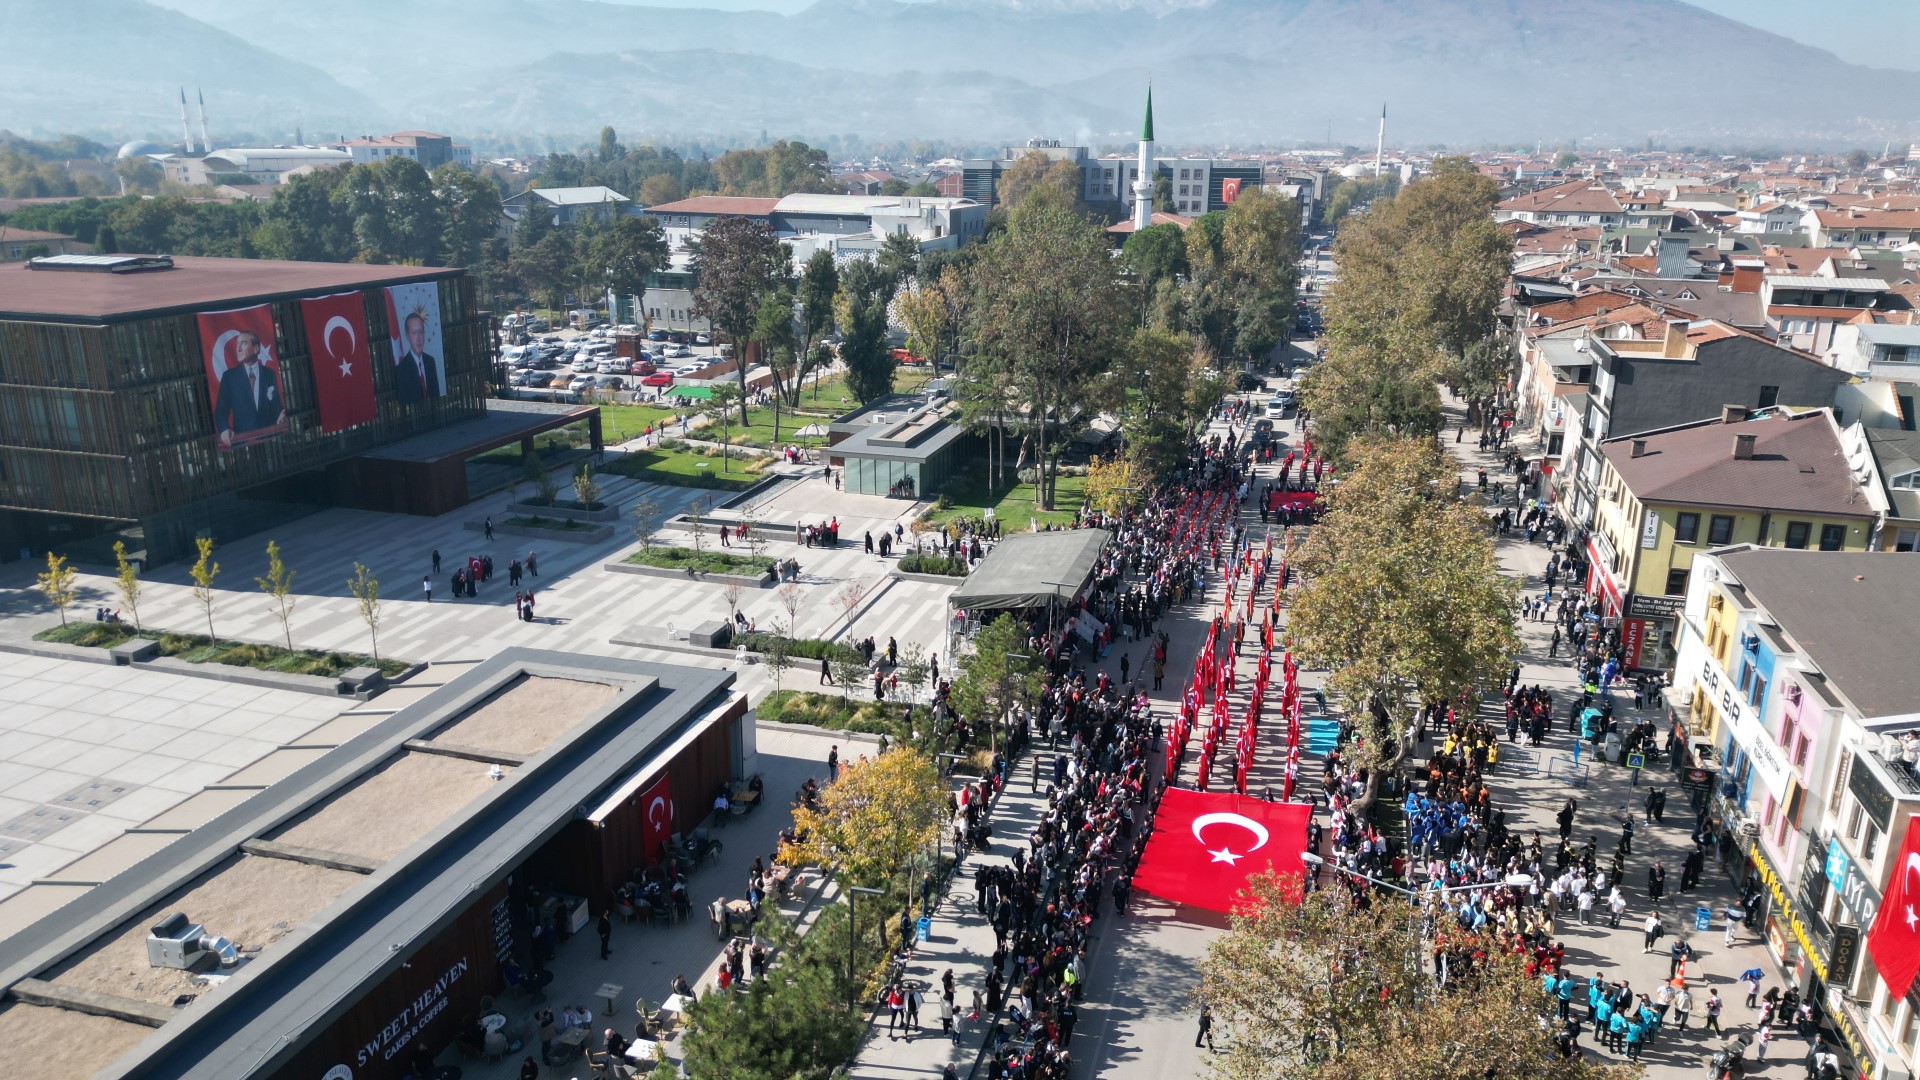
pixel 1878 33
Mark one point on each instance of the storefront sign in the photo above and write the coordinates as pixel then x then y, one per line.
pixel 1845 954
pixel 1650 530
pixel 1783 908
pixel 1633 637
pixel 1769 762
pixel 1874 798
pixel 1857 895
pixel 1647 606
pixel 1841 1013
pixel 398 1034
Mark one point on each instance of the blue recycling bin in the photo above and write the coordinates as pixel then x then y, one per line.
pixel 922 927
pixel 1702 917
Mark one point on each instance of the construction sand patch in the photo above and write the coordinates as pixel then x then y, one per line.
pixel 385 811
pixel 526 715
pixel 251 901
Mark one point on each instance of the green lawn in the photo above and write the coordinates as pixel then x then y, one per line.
pixel 681 468
pixel 620 423
pixel 700 562
pixel 1014 508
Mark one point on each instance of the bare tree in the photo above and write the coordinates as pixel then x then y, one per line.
pixel 697 521
pixel 646 521
pixel 733 594
pixel 791 594
pixel 750 522
pixel 849 598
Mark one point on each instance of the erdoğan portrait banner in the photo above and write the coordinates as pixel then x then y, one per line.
pixel 341 359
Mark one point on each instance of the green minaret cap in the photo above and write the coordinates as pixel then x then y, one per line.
pixel 1146 128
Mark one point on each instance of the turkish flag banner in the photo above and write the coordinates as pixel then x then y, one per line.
pixel 1894 941
pixel 1205 846
pixel 656 809
pixel 337 349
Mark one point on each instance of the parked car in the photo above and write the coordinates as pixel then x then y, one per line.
pixel 580 382
pixel 656 335
pixel 685 370
pixel 679 337
pixel 642 367
pixel 615 366
pixel 677 352
pixel 559 381
pixel 584 361
pixel 610 383
pixel 658 378
pixel 1249 381
pixel 1277 407
pixel 523 378
pixel 703 339
pixel 726 348
pixel 627 328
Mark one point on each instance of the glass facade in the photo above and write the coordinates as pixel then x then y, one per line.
pixel 114 422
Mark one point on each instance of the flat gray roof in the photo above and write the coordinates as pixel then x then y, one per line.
pixel 1852 613
pixel 259 1019
pixel 505 420
pixel 1017 572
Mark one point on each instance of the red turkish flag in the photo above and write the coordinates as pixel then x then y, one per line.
pixel 1894 941
pixel 1205 846
pixel 656 809
pixel 337 353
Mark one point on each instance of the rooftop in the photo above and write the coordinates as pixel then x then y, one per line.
pixel 193 284
pixel 577 196
pixel 1809 281
pixel 1852 613
pixel 735 205
pixel 1797 465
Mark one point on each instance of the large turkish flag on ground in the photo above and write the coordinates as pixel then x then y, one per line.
pixel 338 354
pixel 1206 845
pixel 1895 939
pixel 656 808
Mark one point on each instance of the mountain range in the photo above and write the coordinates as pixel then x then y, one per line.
pixel 1225 72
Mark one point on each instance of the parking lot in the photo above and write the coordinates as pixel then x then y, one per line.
pixel 568 363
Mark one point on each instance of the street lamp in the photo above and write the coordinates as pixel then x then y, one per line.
pixel 1517 881
pixel 852 891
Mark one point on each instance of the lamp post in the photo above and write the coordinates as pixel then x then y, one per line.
pixel 852 892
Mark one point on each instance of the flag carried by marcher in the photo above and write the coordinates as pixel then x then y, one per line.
pixel 1206 846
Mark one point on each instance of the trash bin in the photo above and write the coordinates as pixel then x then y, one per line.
pixel 1702 917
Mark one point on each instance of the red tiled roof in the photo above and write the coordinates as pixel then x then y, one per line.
pixel 8 232
pixel 1868 219
pixel 1159 217
pixel 1575 197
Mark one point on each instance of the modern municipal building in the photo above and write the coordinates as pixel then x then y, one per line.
pixel 156 399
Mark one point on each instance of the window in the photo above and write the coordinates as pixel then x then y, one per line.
pixel 1720 530
pixel 1797 534
pixel 1677 581
pixel 1757 692
pixel 1906 412
pixel 1909 481
pixel 1769 396
pixel 1832 536
pixel 1686 528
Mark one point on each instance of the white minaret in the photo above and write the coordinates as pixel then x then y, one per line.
pixel 206 141
pixel 186 129
pixel 1380 148
pixel 1143 184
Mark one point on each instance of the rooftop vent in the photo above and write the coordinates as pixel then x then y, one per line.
pixel 101 264
pixel 176 943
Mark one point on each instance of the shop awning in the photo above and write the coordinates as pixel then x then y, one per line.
pixel 696 393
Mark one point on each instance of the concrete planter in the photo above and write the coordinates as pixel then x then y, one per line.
pixel 763 581
pixel 931 579
pixel 607 512
pixel 565 536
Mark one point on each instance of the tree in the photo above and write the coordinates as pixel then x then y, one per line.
pixel 1034 171
pixel 791 595
pixel 777 655
pixel 534 471
pixel 751 524
pixel 278 585
pixel 1154 254
pixel 203 572
pixel 733 594
pixel 991 681
pixel 1565 159
pixel 1048 307
pixel 586 491
pixel 1334 988
pixel 792 1022
pixel 470 217
pixel 627 252
pixel 932 312
pixel 899 259
pixel 1243 264
pixel 660 188
pixel 126 578
pixel 848 598
pixel 865 292
pixel 737 261
pixel 366 594
pixel 913 668
pixel 58 584
pixel 719 409
pixel 610 148
pixel 819 285
pixel 1404 601
pixel 773 332
pixel 1110 484
pixel 646 521
pixel 880 813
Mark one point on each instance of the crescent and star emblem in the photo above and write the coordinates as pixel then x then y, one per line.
pixel 1225 854
pixel 1913 871
pixel 326 336
pixel 659 803
pixel 220 351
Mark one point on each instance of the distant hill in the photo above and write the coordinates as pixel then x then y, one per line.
pixel 1608 72
pixel 116 66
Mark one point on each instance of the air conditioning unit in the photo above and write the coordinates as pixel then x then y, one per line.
pixel 1792 691
pixel 176 943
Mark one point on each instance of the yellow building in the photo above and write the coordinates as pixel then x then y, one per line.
pixel 1777 481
